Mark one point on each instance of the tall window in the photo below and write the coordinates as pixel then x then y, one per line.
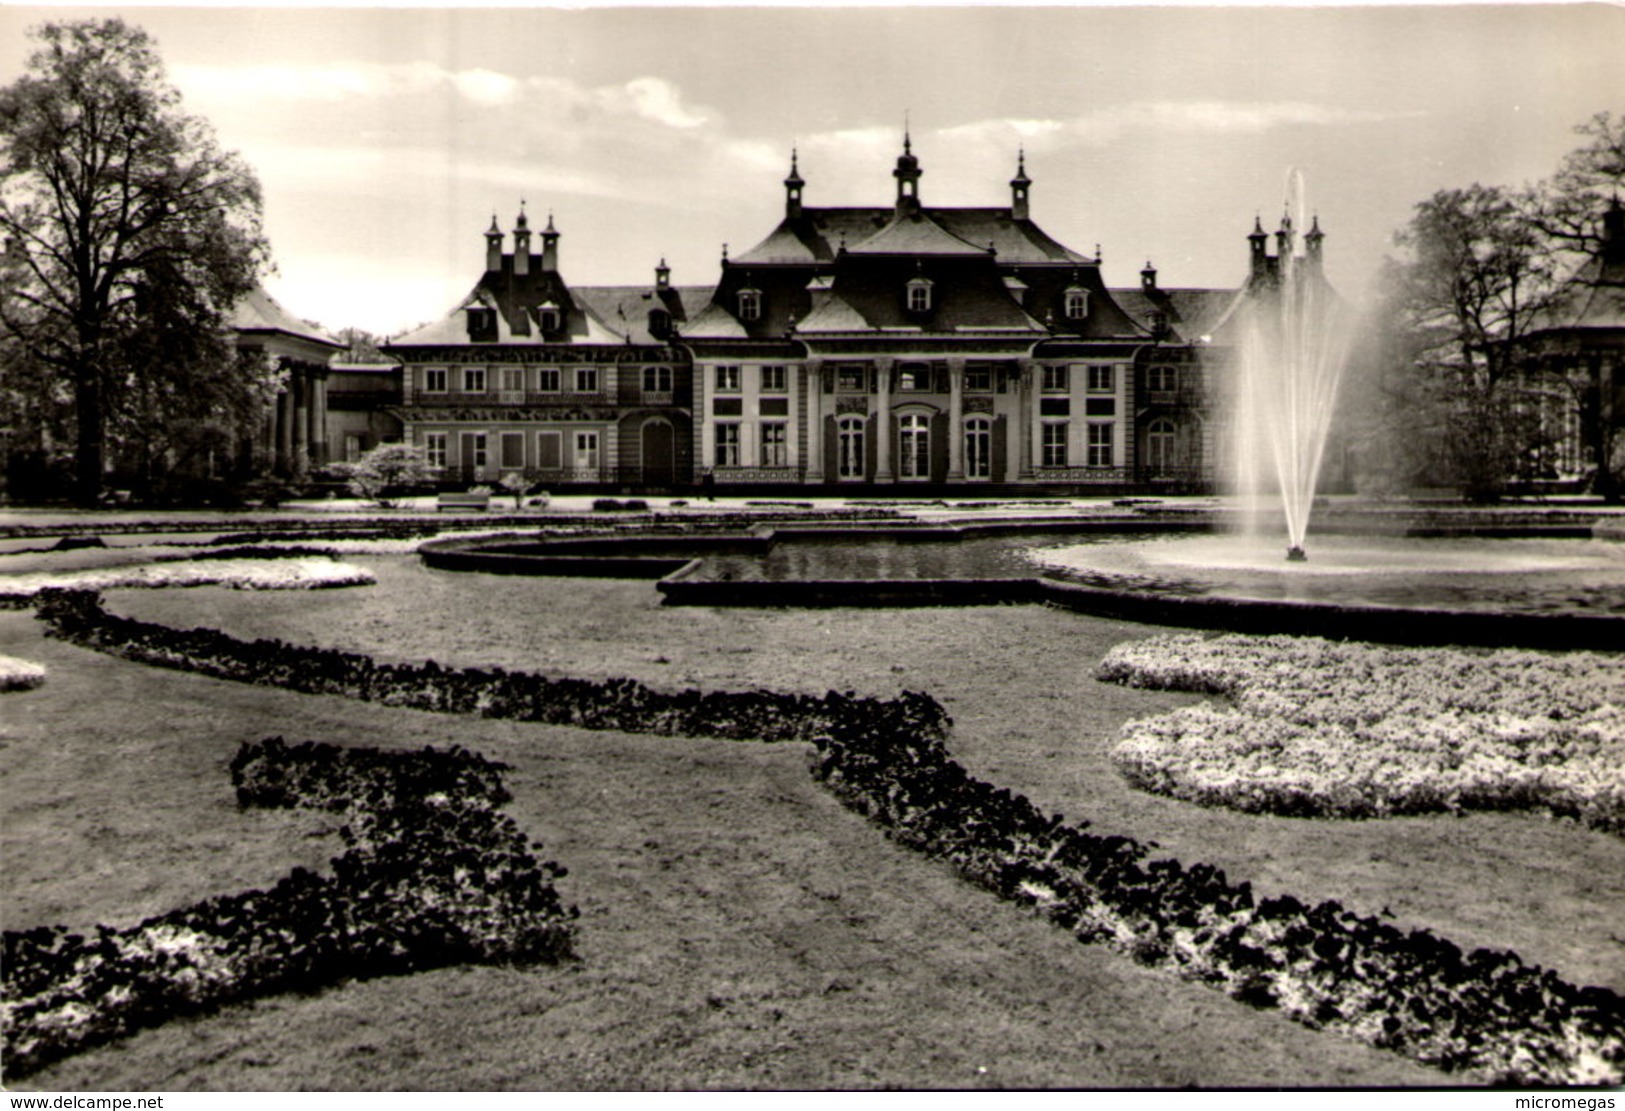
pixel 587 451
pixel 919 295
pixel 474 379
pixel 547 379
pixel 914 447
pixel 978 448
pixel 434 448
pixel 513 450
pixel 1100 444
pixel 434 379
pixel 727 379
pixel 1052 446
pixel 727 445
pixel 774 379
pixel 549 449
pixel 849 447
pixel 1159 446
pixel 750 304
pixel 657 379
pixel 1102 379
pixel 1056 379
pixel 586 379
pixel 775 444
pixel 513 379
pixel 474 445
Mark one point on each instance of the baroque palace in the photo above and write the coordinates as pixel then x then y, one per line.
pixel 877 348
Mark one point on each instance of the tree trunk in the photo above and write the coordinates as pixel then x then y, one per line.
pixel 89 454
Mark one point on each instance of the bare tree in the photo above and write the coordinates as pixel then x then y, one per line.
pixel 116 208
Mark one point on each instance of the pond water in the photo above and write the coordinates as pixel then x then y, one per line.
pixel 1498 575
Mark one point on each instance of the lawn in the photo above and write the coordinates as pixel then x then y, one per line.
pixel 739 928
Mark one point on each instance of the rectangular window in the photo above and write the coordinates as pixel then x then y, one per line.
pixel 549 449
pixel 434 379
pixel 474 444
pixel 513 449
pixel 434 447
pixel 775 444
pixel 851 378
pixel 727 445
pixel 1100 444
pixel 727 379
pixel 774 379
pixel 1053 444
pixel 474 379
pixel 657 379
pixel 587 451
pixel 1102 379
pixel 1056 379
pixel 978 378
pixel 1162 379
pixel 513 379
pixel 547 379
pixel 586 379
pixel 913 378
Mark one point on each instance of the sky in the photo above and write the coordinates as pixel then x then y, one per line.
pixel 386 139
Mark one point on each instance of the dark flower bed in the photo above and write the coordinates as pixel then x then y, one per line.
pixel 621 704
pixel 1325 966
pixel 432 875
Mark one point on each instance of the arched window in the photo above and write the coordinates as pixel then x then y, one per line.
pixel 1159 447
pixel 750 304
pixel 919 295
pixel 914 447
pixel 1077 302
pixel 849 448
pixel 978 448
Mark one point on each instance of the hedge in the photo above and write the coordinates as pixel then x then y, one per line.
pixel 432 875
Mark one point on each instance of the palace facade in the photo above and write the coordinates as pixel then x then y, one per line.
pixel 868 349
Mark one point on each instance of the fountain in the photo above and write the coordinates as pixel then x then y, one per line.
pixel 1294 341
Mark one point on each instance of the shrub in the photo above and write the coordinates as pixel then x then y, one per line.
pixel 383 474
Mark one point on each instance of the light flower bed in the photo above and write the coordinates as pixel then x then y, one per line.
pixel 1356 730
pixel 20 675
pixel 305 573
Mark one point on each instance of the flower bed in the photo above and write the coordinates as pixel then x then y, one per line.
pixel 433 875
pixel 1325 966
pixel 20 675
pixel 1353 730
pixel 621 704
pixel 302 573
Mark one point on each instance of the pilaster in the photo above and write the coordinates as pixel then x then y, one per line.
pixel 956 420
pixel 883 453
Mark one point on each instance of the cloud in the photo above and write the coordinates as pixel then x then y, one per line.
pixel 659 100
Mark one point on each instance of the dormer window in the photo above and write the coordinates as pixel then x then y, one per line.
pixel 549 317
pixel 1077 302
pixel 750 304
pixel 919 295
pixel 482 325
pixel 659 323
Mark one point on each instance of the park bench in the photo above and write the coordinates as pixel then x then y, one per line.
pixel 463 501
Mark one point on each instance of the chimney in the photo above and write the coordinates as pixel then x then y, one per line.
pixel 521 243
pixel 1259 244
pixel 1019 188
pixel 493 246
pixel 550 247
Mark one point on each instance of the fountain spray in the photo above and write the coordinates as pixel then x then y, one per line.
pixel 1294 343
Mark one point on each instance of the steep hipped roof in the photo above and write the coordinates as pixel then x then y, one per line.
pixel 1192 313
pixel 914 234
pixel 818 233
pixel 258 311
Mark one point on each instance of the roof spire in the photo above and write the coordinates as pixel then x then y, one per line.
pixel 907 146
pixel 792 189
pixel 1019 186
pixel 521 224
